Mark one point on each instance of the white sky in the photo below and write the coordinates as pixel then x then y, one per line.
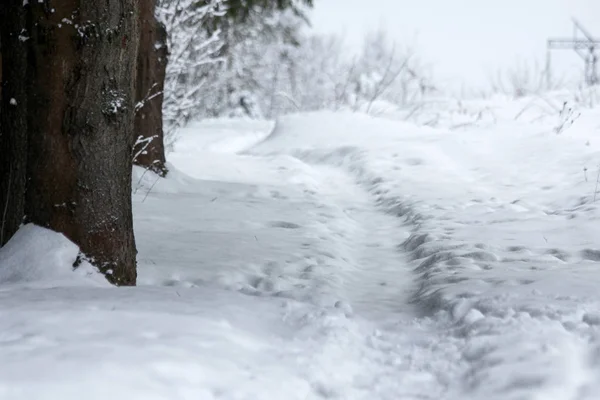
pixel 465 41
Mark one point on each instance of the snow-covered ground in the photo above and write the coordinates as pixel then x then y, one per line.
pixel 333 256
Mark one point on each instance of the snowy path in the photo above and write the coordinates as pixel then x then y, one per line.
pixel 345 248
pixel 344 257
pixel 320 241
pixel 502 243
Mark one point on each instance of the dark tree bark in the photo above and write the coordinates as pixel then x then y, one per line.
pixel 149 149
pixel 67 116
pixel 13 123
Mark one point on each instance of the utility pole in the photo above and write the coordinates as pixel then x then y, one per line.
pixel 585 47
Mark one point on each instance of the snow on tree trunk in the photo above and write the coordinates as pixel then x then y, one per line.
pixel 149 149
pixel 68 108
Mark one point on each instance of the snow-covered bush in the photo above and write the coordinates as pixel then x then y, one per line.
pixel 267 63
pixel 387 71
pixel 323 75
pixel 258 53
pixel 524 78
pixel 193 53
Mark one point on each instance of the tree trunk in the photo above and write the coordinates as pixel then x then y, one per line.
pixel 67 114
pixel 149 149
pixel 13 122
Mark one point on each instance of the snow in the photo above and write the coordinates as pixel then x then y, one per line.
pixel 36 257
pixel 334 255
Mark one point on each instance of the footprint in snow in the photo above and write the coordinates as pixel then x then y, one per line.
pixel 590 254
pixel 414 161
pixel 284 225
pixel 559 254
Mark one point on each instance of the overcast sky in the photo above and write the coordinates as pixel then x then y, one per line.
pixel 464 40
